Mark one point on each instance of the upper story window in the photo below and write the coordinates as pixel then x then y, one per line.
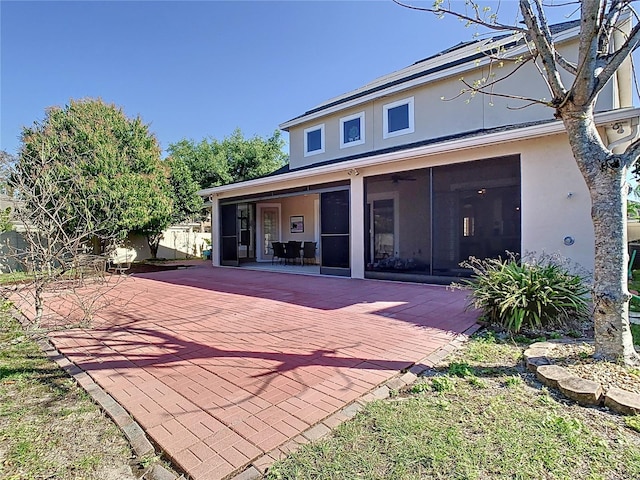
pixel 352 130
pixel 314 140
pixel 397 118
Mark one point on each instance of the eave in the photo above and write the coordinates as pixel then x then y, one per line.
pixel 448 146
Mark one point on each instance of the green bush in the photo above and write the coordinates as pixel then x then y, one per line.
pixel 533 295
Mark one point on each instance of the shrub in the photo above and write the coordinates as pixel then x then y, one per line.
pixel 533 295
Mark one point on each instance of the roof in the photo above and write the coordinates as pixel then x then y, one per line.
pixel 464 53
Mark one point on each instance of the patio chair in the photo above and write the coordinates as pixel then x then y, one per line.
pixel 292 251
pixel 309 252
pixel 278 252
pixel 120 259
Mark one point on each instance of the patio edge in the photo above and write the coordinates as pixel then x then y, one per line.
pixel 258 468
pixel 134 433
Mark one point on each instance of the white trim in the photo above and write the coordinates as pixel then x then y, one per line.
pixel 385 118
pixel 320 127
pixel 259 239
pixel 448 146
pixel 343 120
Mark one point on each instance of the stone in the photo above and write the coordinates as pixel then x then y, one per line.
pixel 533 363
pixel 158 472
pixel 545 345
pixel 535 352
pixel 585 392
pixel 251 473
pixel 621 401
pixel 395 384
pixel 551 374
pixel 316 432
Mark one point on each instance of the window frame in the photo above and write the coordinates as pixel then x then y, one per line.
pixel 343 120
pixel 307 153
pixel 385 118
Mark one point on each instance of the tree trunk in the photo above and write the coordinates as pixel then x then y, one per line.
pixel 611 296
pixel 154 244
pixel 605 175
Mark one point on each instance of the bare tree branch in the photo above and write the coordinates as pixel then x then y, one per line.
pixel 477 19
pixel 545 48
pixel 632 152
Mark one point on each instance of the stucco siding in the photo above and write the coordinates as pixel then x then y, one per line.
pixel 555 202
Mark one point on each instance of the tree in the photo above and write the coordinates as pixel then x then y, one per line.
pixel 177 203
pixel 85 172
pixel 113 160
pixel 58 223
pixel 234 159
pixel 607 39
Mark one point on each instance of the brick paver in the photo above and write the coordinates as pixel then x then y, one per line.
pixel 221 366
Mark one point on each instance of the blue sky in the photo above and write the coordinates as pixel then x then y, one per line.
pixel 200 69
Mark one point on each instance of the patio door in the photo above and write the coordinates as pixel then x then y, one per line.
pixel 268 229
pixel 382 227
pixel 335 233
pixel 229 235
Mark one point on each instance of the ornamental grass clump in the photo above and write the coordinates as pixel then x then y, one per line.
pixel 517 294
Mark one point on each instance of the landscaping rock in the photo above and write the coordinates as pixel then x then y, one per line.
pixel 621 401
pixel 545 345
pixel 585 392
pixel 533 363
pixel 535 353
pixel 551 374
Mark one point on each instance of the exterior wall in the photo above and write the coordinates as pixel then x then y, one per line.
pixel 555 202
pixel 176 244
pixel 554 197
pixel 299 206
pixel 435 118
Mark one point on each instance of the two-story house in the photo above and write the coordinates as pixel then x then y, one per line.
pixel 403 178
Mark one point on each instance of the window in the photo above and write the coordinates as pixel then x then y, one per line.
pixel 314 140
pixel 352 130
pixel 397 118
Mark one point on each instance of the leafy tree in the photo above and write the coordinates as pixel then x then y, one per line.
pixel 86 171
pixel 187 203
pixel 5 220
pixel 177 203
pixel 607 39
pixel 234 159
pixel 115 159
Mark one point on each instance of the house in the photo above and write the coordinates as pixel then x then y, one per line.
pixel 403 178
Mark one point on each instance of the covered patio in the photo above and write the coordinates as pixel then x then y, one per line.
pixel 220 366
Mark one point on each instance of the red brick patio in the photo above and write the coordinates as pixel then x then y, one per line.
pixel 221 365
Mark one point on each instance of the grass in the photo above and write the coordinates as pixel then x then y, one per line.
pixel 13 277
pixel 488 418
pixel 49 427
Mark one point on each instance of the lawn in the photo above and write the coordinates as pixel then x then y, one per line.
pixel 49 427
pixel 479 417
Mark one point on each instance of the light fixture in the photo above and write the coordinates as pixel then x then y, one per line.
pixel 618 127
pixel 352 172
pixel 482 191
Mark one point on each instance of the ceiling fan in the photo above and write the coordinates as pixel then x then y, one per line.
pixel 396 178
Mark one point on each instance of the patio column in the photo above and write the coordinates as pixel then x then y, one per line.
pixel 215 231
pixel 357 224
